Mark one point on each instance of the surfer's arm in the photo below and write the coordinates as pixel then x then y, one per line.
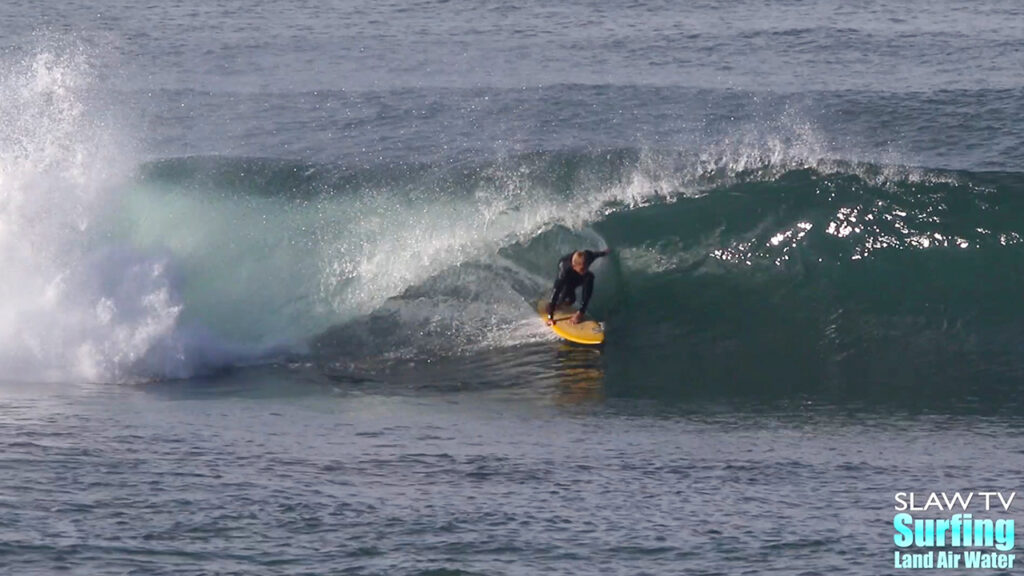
pixel 559 283
pixel 591 255
pixel 563 277
pixel 554 298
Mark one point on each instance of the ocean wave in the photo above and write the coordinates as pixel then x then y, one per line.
pixel 121 270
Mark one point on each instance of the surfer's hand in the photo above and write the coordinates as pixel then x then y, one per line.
pixel 577 318
pixel 550 321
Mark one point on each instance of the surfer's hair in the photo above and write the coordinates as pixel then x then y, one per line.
pixel 579 258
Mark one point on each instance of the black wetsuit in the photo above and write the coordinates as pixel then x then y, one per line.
pixel 569 280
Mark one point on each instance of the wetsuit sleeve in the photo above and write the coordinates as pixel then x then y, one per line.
pixel 588 291
pixel 563 266
pixel 590 256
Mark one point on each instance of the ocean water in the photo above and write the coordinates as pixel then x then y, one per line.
pixel 269 273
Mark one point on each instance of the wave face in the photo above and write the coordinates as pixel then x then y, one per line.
pixel 749 258
pixel 740 272
pixel 856 279
pixel 739 269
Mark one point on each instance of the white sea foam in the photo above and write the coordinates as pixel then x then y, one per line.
pixel 70 308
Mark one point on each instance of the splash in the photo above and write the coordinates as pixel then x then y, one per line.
pixel 70 308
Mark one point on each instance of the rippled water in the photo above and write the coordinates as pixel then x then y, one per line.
pixel 243 477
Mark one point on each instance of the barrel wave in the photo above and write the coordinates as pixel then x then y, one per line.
pixel 784 277
pixel 753 261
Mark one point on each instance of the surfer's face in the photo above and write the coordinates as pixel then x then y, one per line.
pixel 579 262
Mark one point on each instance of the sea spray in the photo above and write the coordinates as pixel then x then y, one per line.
pixel 70 308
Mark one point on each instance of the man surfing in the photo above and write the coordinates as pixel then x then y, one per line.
pixel 573 272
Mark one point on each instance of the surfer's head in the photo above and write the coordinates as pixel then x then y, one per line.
pixel 579 262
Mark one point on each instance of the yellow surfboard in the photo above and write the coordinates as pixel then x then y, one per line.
pixel 589 331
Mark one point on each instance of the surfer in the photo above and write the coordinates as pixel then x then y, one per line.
pixel 573 272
